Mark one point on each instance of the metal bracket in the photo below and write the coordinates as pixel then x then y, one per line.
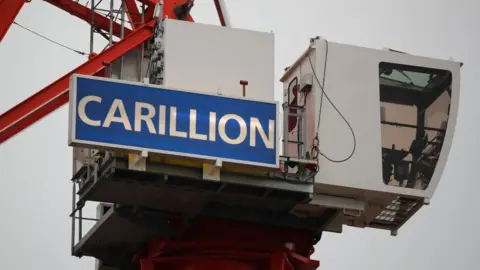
pixel 212 171
pixel 352 212
pixel 426 201
pixel 158 10
pixel 138 162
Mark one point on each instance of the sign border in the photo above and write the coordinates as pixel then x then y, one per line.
pixel 72 141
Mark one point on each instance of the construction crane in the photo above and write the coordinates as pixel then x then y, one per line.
pixel 194 165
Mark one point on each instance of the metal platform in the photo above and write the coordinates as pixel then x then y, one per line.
pixel 182 189
pixel 124 230
pixel 144 203
pixel 116 237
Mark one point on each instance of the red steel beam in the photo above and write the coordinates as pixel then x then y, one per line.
pixel 133 13
pixel 8 11
pixel 220 12
pixel 152 3
pixel 84 13
pixel 55 95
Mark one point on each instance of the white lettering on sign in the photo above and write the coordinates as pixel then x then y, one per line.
pixel 173 124
pixel 212 125
pixel 81 110
pixel 223 123
pixel 117 105
pixel 256 126
pixel 146 113
pixel 193 127
pixel 147 118
pixel 161 120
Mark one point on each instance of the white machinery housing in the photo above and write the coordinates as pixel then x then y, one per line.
pixel 402 111
pixel 218 59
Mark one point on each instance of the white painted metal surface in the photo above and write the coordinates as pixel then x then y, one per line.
pixel 213 59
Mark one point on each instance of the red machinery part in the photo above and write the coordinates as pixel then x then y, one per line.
pixel 133 13
pixel 231 245
pixel 8 11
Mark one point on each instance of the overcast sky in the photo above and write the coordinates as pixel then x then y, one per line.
pixel 35 166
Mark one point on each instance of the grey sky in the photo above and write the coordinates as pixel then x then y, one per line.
pixel 35 166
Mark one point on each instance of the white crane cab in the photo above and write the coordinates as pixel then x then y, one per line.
pixel 379 123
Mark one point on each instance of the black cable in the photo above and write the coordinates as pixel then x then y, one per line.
pixel 44 37
pixel 333 105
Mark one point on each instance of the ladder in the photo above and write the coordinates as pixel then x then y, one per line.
pixel 294 120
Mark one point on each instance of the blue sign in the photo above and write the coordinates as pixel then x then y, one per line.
pixel 135 116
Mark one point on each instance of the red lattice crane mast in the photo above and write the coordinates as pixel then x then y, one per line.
pixel 205 243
